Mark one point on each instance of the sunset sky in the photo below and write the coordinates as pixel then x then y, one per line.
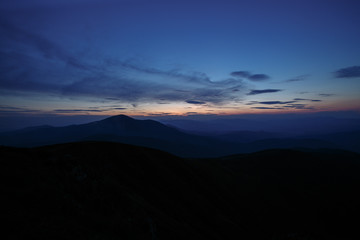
pixel 134 57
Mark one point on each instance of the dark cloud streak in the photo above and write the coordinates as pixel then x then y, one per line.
pixel 298 78
pixel 275 102
pixel 259 77
pixel 195 102
pixel 348 72
pixel 241 74
pixel 77 110
pixel 249 76
pixel 266 108
pixel 305 99
pixel 326 94
pixel 48 49
pixel 255 92
pixel 298 106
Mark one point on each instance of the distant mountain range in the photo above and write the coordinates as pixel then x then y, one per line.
pixel 102 190
pixel 154 134
pixel 288 124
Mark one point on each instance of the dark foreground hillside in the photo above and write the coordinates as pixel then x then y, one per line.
pixel 95 190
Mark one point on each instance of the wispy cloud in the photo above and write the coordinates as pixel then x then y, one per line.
pixel 241 74
pixel 326 94
pixel 10 109
pixel 5 107
pixel 159 114
pixel 252 77
pixel 275 102
pixel 284 104
pixel 298 106
pixel 90 109
pixel 77 110
pixel 348 72
pixel 110 79
pixel 255 92
pixel 195 102
pixel 131 85
pixel 306 99
pixel 267 108
pixel 48 49
pixel 259 77
pixel 298 78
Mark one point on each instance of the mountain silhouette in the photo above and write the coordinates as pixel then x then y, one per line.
pixel 120 125
pixel 153 134
pixel 122 129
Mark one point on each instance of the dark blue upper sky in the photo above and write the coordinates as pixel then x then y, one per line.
pixel 178 57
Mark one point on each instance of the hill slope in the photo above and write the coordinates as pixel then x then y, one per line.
pixel 97 190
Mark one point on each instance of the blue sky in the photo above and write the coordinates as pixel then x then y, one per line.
pixel 104 57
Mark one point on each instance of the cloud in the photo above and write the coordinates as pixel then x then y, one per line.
pixel 19 111
pixel 349 72
pixel 112 99
pixel 259 77
pixel 77 110
pixel 40 70
pixel 305 99
pixel 88 110
pixel 298 78
pixel 298 106
pixel 266 108
pixel 123 82
pixel 249 76
pixel 138 84
pixel 285 105
pixel 275 102
pixel 270 102
pixel 241 74
pixel 195 102
pixel 48 49
pixel 5 107
pixel 11 109
pixel 159 114
pixel 193 77
pixel 255 92
pixel 47 68
pixel 326 94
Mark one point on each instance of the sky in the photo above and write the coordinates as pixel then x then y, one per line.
pixel 165 58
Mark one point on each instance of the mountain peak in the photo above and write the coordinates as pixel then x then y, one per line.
pixel 120 117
